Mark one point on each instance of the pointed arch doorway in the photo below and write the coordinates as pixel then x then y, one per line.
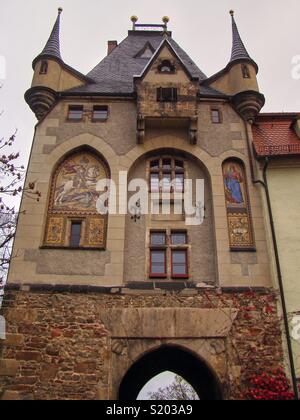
pixel 177 360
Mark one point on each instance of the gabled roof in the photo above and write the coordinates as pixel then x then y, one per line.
pixel 274 135
pixel 114 74
pixel 166 43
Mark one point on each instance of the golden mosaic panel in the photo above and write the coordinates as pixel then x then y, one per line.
pixel 95 236
pixel 55 231
pixel 237 204
pixel 74 186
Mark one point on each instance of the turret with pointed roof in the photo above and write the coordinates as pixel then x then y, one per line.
pixel 51 75
pixel 239 51
pixel 239 78
pixel 52 47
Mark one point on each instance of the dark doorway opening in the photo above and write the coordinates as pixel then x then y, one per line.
pixel 175 359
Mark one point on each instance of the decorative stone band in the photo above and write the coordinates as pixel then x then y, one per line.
pixel 131 288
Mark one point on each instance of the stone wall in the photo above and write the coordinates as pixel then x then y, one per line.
pixel 78 343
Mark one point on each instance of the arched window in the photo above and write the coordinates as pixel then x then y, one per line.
pixel 73 220
pixel 245 71
pixel 238 206
pixel 44 67
pixel 167 174
pixel 166 67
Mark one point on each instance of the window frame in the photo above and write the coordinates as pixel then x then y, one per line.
pixel 174 171
pixel 75 107
pixel 246 72
pixel 95 119
pixel 44 67
pixel 186 264
pixel 72 223
pixel 172 98
pixel 220 117
pixel 166 63
pixel 168 250
pixel 164 251
pixel 178 232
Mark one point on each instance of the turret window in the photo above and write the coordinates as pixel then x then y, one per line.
pixel 44 67
pixel 216 116
pixel 245 71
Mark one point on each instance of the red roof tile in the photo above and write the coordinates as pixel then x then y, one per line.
pixel 273 135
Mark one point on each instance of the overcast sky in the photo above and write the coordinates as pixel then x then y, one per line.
pixel 269 28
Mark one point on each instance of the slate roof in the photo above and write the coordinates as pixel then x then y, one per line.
pixel 239 51
pixel 52 47
pixel 273 135
pixel 115 73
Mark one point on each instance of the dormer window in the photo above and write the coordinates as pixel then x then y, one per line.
pixel 44 67
pixel 167 95
pixel 166 67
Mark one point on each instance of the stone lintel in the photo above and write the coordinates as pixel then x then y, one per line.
pixel 168 322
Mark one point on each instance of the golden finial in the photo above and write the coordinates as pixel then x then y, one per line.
pixel 166 20
pixel 134 19
pixel 60 9
pixel 231 12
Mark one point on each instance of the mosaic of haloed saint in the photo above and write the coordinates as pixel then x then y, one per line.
pixel 75 187
pixel 234 185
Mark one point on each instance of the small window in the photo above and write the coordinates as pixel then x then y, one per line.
pixel 245 71
pixel 100 113
pixel 216 116
pixel 167 95
pixel 179 264
pixel 166 67
pixel 178 238
pixel 44 67
pixel 158 238
pixel 75 234
pixel 158 263
pixel 75 113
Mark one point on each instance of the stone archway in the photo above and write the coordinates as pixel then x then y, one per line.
pixel 134 333
pixel 175 359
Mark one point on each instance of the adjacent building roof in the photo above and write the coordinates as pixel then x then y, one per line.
pixel 274 135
